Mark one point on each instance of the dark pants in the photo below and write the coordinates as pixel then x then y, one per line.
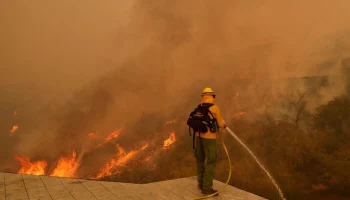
pixel 205 151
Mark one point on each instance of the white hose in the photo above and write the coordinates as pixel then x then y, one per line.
pixel 256 159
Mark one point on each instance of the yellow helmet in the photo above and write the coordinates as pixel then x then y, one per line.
pixel 208 91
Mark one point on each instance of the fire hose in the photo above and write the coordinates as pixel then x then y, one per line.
pixel 229 160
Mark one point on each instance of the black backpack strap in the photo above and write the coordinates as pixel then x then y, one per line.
pixel 213 120
pixel 211 114
pixel 208 105
pixel 194 138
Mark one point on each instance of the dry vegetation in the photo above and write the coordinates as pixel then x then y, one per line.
pixel 306 147
pixel 306 151
pixel 92 68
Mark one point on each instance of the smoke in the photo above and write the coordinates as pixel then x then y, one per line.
pixel 75 67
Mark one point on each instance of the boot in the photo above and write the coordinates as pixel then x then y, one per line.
pixel 209 192
pixel 200 186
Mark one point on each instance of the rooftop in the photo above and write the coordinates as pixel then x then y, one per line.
pixel 21 187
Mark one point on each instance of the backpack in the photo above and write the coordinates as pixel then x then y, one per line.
pixel 199 120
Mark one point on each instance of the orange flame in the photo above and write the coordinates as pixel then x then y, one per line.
pixel 107 170
pixel 319 187
pixel 145 147
pixel 66 166
pixel 124 157
pixel 170 122
pixel 239 115
pixel 110 137
pixel 170 140
pixel 15 113
pixel 32 168
pixel 92 136
pixel 14 129
pixel 113 135
pixel 121 160
pixel 147 159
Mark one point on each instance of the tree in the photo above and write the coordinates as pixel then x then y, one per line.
pixel 333 114
pixel 294 102
pixel 346 69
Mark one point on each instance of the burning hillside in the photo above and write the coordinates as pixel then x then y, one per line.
pixel 69 165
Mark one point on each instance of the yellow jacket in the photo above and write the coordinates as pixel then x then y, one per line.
pixel 214 109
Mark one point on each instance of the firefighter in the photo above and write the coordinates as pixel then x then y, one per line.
pixel 205 148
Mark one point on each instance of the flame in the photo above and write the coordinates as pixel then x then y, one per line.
pixel 66 166
pixel 170 122
pixel 148 158
pixel 145 146
pixel 170 140
pixel 14 129
pixel 239 115
pixel 120 161
pixel 15 113
pixel 32 168
pixel 110 137
pixel 92 136
pixel 236 95
pixel 107 170
pixel 113 135
pixel 124 157
pixel 319 187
